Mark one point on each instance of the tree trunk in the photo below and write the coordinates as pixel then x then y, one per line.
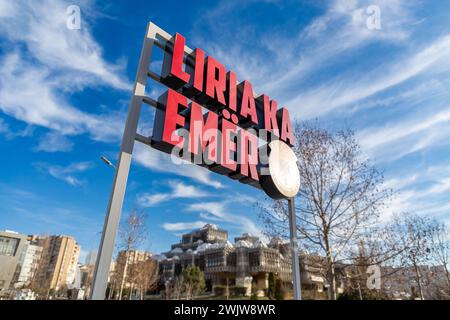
pixel 227 292
pixel 419 282
pixel 122 282
pixel 359 291
pixel 332 288
pixel 447 273
pixel 131 291
pixel 331 272
pixel 111 291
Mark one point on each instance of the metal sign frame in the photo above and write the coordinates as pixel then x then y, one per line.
pixel 153 36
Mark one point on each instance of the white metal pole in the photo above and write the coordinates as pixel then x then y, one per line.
pixel 106 249
pixel 294 247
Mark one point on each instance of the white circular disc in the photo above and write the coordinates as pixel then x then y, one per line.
pixel 283 169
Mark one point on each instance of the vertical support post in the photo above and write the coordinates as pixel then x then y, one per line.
pixel 106 249
pixel 294 248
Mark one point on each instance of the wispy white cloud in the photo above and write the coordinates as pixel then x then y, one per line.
pixel 46 62
pixel 32 212
pixel 11 193
pixel 155 160
pixel 28 93
pixel 54 142
pixel 179 190
pixel 66 174
pixel 422 192
pixel 343 91
pixel 3 126
pixel 300 53
pixel 221 212
pixel 7 8
pixel 9 133
pixel 396 140
pixel 183 226
pixel 342 29
pixel 41 27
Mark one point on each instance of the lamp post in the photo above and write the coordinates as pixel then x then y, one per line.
pixel 112 218
pixel 97 291
pixel 283 182
pixel 294 246
pixel 91 295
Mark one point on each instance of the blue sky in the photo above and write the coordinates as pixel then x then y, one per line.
pixel 64 96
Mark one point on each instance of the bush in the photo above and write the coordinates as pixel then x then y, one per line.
pixel 194 280
pixel 369 295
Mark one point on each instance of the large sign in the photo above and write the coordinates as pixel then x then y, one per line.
pixel 209 118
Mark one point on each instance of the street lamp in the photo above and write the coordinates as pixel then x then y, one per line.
pixel 102 265
pixel 283 182
pixel 109 163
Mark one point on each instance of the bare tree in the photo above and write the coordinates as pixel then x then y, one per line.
pixel 40 282
pixel 175 288
pixel 415 235
pixel 441 244
pixel 340 199
pixel 115 280
pixel 144 276
pixel 132 233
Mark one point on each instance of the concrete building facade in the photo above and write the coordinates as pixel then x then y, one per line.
pixel 243 266
pixel 12 245
pixel 28 263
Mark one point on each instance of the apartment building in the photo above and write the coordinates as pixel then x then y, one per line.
pixel 58 265
pixel 28 263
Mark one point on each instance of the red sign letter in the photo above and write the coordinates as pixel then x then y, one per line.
pixel 229 147
pixel 216 81
pixel 203 133
pixel 270 115
pixel 199 69
pixel 172 118
pixel 232 90
pixel 248 107
pixel 173 74
pixel 286 129
pixel 249 154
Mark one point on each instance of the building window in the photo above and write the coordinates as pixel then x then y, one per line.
pixel 231 259
pixel 254 259
pixel 186 240
pixel 8 246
